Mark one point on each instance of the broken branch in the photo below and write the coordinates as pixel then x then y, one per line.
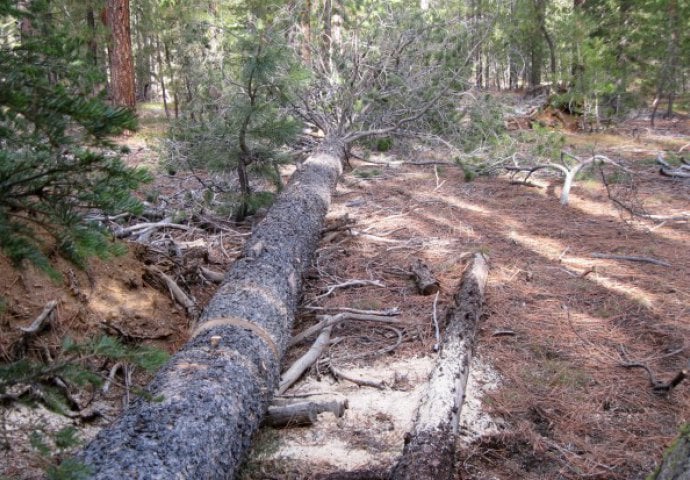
pixel 305 361
pixel 43 318
pixel 348 284
pixel 177 293
pixel 611 256
pixel 329 321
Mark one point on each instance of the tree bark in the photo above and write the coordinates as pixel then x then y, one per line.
pixel 676 463
pixel 203 407
pixel 430 452
pixel 424 279
pixel 122 88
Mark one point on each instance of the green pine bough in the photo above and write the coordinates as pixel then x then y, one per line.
pixel 56 164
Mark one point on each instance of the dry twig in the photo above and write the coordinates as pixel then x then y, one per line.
pixel 612 256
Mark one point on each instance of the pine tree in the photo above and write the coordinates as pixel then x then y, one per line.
pixel 241 124
pixel 56 165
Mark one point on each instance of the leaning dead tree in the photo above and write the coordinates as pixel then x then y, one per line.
pixel 202 408
pixel 430 452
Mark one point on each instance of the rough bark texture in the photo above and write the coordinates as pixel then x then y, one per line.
pixel 122 88
pixel 430 451
pixel 295 415
pixel 676 464
pixel 424 279
pixel 207 402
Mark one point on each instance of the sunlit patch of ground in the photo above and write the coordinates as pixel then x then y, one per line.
pixel 559 322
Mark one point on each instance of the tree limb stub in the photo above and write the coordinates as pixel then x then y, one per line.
pixel 424 279
pixel 178 294
pixel 430 453
pixel 282 414
pixel 205 404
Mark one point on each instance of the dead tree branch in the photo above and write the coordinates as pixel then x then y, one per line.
pixel 42 320
pixel 330 321
pixel 569 172
pixel 305 361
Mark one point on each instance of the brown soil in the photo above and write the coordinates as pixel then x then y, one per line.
pixel 566 406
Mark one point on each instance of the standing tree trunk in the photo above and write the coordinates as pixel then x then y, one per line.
pixel 667 76
pixel 430 452
pixel 92 43
pixel 161 78
pixel 122 88
pixel 203 407
pixel 305 28
pixel 171 70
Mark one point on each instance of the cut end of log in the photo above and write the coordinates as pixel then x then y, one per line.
pixel 424 279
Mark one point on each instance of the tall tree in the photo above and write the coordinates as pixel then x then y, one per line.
pixel 122 85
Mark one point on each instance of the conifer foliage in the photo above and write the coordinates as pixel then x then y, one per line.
pixel 56 164
pixel 241 124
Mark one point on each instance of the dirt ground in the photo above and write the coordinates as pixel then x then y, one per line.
pixel 552 399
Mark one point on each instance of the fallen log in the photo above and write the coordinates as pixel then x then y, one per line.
pixel 424 279
pixel 202 408
pixel 281 415
pixel 295 415
pixel 676 462
pixel 429 452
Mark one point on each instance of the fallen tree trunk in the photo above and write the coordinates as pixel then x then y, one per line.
pixel 430 452
pixel 676 463
pixel 203 407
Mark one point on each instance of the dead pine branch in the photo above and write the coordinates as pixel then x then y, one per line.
pixel 210 275
pixel 387 312
pixel 177 293
pixel 283 414
pixel 667 170
pixel 362 382
pixel 430 451
pixel 42 320
pixel 348 284
pixel 569 172
pixel 400 336
pixel 148 227
pixel 305 361
pixel 659 387
pixel 332 320
pixel 630 258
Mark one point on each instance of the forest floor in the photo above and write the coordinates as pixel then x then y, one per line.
pixel 549 397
